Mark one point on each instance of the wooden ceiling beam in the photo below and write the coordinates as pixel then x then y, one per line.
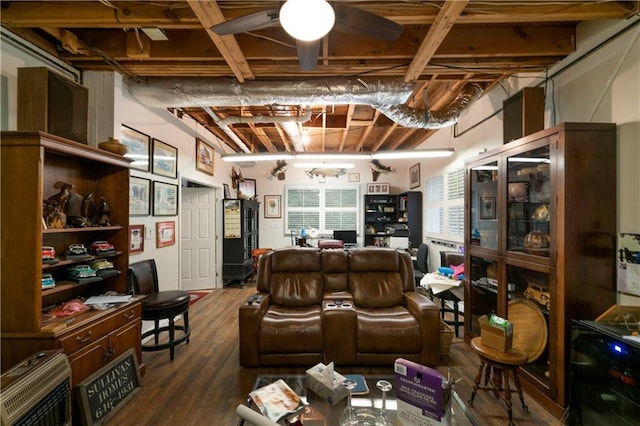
pixel 209 14
pixel 263 138
pixel 461 42
pixel 345 132
pixel 435 36
pixel 177 14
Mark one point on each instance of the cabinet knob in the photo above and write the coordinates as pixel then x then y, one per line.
pixel 130 315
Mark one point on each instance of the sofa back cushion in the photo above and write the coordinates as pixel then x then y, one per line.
pixel 296 277
pixel 377 277
pixel 335 268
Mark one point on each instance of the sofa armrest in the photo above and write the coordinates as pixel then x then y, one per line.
pixel 249 315
pixel 339 323
pixel 428 315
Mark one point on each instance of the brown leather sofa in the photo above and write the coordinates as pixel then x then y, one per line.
pixel 356 307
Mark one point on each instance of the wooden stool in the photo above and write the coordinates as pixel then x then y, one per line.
pixel 496 366
pixel 530 333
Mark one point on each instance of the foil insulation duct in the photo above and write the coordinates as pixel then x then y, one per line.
pixel 426 119
pixel 209 92
pixel 388 96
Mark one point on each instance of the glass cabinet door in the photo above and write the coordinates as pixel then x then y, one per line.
pixel 483 292
pixel 535 286
pixel 529 202
pixel 484 208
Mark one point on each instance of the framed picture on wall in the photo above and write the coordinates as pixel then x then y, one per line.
pixel 488 208
pixel 165 233
pixel 272 207
pixel 247 188
pixel 139 196
pixel 136 239
pixel 165 159
pixel 414 176
pixel 378 188
pixel 138 144
pixel 165 199
pixel 204 157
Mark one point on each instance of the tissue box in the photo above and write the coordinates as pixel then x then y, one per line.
pixel 495 337
pixel 332 392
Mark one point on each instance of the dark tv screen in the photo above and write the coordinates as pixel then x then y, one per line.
pixel 349 237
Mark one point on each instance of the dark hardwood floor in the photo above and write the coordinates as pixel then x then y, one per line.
pixel 205 383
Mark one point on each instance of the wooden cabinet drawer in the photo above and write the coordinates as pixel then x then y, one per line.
pixel 84 336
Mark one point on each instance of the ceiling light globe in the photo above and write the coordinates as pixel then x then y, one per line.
pixel 307 20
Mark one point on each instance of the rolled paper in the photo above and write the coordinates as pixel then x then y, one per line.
pixel 253 417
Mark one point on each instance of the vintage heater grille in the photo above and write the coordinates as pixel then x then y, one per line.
pixel 37 391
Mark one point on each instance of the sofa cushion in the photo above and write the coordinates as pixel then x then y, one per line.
pixel 296 277
pixel 376 289
pixel 388 330
pixel 335 267
pixel 375 278
pixel 291 330
pixel 296 288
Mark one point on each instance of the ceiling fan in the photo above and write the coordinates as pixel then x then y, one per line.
pixel 305 15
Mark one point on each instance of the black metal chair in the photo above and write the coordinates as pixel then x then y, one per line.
pixel 160 305
pixel 450 258
pixel 420 264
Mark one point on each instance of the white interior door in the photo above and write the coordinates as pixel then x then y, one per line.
pixel 198 239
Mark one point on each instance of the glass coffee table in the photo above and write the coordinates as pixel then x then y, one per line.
pixel 320 413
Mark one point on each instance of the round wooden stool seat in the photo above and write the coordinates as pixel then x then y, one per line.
pixel 168 299
pixel 512 357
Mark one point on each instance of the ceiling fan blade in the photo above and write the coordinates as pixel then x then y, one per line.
pixel 253 21
pixel 308 52
pixel 352 20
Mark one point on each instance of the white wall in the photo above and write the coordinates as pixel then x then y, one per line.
pixel 161 124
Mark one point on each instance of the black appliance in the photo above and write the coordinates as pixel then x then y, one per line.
pixel 604 372
pixel 348 237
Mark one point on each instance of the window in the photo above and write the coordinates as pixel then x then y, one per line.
pixel 444 205
pixel 325 209
pixel 455 210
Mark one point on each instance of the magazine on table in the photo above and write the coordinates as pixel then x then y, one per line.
pixel 277 400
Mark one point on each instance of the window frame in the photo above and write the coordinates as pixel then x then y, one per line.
pixel 322 190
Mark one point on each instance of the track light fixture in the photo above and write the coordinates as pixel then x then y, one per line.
pixel 380 155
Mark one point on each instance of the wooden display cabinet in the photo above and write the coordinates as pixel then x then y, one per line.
pixel 240 223
pixel 32 162
pixel 540 223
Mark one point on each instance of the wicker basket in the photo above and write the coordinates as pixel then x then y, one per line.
pixel 446 337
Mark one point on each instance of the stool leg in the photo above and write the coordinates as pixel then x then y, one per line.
pixel 506 395
pixel 477 380
pixel 187 330
pixel 516 380
pixel 172 333
pixel 487 374
pixel 455 317
pixel 497 381
pixel 156 333
pixel 442 308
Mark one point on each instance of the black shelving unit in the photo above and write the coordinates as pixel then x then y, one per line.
pixel 240 238
pixel 410 212
pixel 387 215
